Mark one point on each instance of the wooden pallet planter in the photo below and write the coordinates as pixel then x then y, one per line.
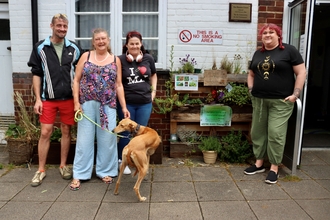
pixel 190 119
pixel 184 149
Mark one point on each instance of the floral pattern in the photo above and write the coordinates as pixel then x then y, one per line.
pixel 99 83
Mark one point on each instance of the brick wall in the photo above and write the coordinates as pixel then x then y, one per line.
pixel 270 11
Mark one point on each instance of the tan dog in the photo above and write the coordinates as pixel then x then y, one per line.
pixel 137 152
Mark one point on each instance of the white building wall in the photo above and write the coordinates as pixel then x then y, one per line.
pixel 238 37
pixel 21 27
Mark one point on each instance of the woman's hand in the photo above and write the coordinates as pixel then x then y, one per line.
pixel 291 98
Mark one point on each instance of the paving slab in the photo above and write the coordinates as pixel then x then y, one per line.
pixel 173 191
pixel 217 191
pixel 316 209
pixel 324 155
pixel 278 209
pixel 233 210
pixel 175 211
pixel 64 210
pixel 88 191
pixel 179 188
pixel 305 189
pixel 259 190
pixel 127 193
pixel 127 211
pixel 310 158
pixel 317 171
pixel 45 192
pixel 24 210
pixel 172 174
pixel 209 174
pixel 324 183
pixel 10 189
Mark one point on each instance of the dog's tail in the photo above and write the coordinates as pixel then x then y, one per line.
pixel 129 159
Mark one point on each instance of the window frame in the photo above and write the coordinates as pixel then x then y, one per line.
pixel 116 27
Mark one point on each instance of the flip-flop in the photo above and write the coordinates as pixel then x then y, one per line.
pixel 107 179
pixel 76 184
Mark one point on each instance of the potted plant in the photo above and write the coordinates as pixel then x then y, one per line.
pixel 210 146
pixel 188 64
pixel 227 65
pixel 21 137
pixel 237 95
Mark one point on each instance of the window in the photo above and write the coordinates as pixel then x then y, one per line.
pixel 119 17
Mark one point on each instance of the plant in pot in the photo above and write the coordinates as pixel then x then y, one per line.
pixel 210 146
pixel 188 64
pixel 21 137
pixel 237 94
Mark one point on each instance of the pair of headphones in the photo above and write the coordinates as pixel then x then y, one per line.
pixel 130 58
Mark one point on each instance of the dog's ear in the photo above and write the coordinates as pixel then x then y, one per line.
pixel 131 125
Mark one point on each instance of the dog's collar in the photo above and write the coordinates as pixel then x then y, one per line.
pixel 136 130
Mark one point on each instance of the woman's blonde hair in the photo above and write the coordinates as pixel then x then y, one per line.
pixel 97 31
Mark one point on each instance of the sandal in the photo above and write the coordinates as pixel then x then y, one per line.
pixel 107 179
pixel 75 185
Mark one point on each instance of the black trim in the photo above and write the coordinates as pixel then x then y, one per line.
pixel 34 16
pixel 163 72
pixel 294 3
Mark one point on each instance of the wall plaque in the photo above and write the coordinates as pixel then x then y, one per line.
pixel 240 12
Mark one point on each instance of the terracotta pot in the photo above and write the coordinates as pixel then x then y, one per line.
pixel 210 156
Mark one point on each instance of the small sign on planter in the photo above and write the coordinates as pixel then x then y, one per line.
pixel 186 82
pixel 215 77
pixel 215 115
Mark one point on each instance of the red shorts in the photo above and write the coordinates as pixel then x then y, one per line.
pixel 50 109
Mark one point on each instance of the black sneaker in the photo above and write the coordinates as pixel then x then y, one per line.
pixel 254 169
pixel 271 177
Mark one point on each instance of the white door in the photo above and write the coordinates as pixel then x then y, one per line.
pixel 6 83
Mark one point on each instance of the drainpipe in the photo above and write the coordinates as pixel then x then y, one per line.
pixel 34 12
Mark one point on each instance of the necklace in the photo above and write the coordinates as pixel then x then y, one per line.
pixel 100 61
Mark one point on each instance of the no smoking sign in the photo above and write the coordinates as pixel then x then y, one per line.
pixel 200 36
pixel 185 36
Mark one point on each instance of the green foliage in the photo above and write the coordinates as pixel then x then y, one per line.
pixel 56 135
pixel 225 64
pixel 165 105
pixel 239 95
pixel 235 148
pixel 188 68
pixel 237 64
pixel 210 143
pixel 15 131
pixel 27 128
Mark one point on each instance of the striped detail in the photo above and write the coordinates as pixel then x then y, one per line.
pixel 47 77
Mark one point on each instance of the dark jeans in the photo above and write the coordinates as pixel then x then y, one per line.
pixel 140 113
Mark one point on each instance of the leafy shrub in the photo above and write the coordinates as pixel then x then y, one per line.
pixel 235 148
pixel 210 143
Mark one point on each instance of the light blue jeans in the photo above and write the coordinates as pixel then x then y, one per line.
pixel 140 113
pixel 106 151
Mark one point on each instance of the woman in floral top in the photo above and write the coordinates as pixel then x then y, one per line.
pixel 97 85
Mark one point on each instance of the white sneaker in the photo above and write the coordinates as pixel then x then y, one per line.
pixel 126 170
pixel 38 177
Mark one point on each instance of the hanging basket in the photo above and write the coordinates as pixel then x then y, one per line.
pixel 20 151
pixel 210 156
